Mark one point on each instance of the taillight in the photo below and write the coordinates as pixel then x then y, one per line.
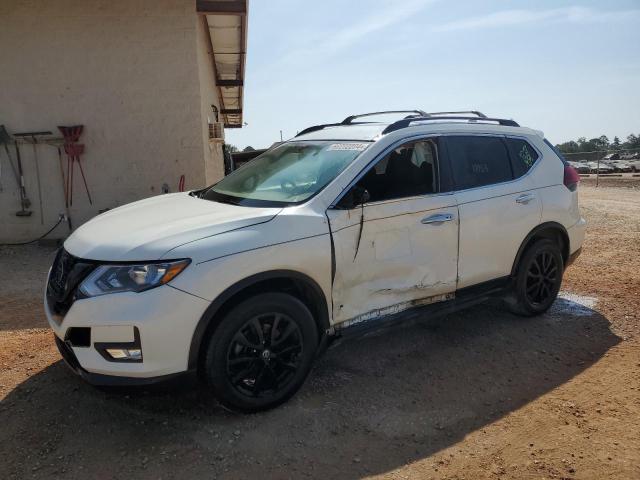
pixel 571 178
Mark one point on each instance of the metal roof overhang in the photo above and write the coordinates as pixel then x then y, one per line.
pixel 225 22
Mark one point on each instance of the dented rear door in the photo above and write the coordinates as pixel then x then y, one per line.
pixel 392 255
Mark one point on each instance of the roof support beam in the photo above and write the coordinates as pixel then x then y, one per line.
pixel 230 83
pixel 205 24
pixel 212 7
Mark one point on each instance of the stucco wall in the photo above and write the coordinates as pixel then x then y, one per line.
pixel 132 73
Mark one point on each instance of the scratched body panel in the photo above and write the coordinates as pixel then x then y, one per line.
pixel 391 261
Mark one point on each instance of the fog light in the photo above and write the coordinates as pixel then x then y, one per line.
pixel 125 354
pixel 121 351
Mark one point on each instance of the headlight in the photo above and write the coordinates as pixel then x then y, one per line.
pixel 130 278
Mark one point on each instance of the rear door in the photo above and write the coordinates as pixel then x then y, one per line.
pixel 398 249
pixel 497 201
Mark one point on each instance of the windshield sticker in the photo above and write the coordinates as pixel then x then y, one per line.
pixel 358 147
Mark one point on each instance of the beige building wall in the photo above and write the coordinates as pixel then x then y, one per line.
pixel 136 74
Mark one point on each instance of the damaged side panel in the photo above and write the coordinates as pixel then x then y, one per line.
pixel 393 261
pixel 398 308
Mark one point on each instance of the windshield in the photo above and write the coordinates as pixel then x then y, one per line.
pixel 288 174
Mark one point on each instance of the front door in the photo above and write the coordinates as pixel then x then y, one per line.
pixel 399 247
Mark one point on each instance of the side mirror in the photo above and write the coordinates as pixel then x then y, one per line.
pixel 356 196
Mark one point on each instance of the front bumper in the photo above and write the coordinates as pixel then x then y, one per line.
pixel 165 318
pixel 97 379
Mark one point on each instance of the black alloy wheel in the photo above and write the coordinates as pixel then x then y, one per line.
pixel 261 352
pixel 538 279
pixel 542 277
pixel 264 355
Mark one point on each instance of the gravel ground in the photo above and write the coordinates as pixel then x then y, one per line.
pixel 479 394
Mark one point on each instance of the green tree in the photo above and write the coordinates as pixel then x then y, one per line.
pixel 633 141
pixel 600 143
pixel 569 147
pixel 616 145
pixel 604 141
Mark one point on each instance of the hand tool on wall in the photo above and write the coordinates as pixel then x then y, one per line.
pixel 1 165
pixel 25 203
pixel 73 150
pixel 71 134
pixel 64 189
pixel 34 142
pixel 5 139
pixel 0 176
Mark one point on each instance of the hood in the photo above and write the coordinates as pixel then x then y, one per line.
pixel 147 229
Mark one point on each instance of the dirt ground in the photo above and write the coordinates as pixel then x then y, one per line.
pixel 479 394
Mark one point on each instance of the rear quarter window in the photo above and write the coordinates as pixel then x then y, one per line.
pixel 523 156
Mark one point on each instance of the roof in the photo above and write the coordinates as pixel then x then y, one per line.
pixel 226 24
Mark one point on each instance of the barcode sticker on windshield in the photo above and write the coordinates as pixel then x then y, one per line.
pixel 348 146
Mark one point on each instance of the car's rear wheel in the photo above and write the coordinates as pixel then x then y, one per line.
pixel 538 279
pixel 261 352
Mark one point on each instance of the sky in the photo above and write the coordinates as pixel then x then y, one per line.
pixel 568 68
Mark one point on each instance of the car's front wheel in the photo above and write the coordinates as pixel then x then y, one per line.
pixel 261 352
pixel 538 279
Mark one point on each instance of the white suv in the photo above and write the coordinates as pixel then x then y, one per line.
pixel 346 227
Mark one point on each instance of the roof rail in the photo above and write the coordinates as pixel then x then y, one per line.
pixel 473 112
pixel 316 127
pixel 406 122
pixel 416 116
pixel 349 120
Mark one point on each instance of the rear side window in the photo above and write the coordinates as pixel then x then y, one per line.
pixel 523 156
pixel 477 161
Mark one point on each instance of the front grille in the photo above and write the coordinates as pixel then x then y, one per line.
pixel 66 273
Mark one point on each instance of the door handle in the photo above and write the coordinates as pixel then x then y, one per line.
pixel 526 198
pixel 437 218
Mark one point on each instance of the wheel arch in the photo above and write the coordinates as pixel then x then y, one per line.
pixel 300 285
pixel 551 230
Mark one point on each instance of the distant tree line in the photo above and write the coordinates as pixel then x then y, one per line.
pixel 582 145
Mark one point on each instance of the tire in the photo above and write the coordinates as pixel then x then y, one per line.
pixel 538 279
pixel 261 353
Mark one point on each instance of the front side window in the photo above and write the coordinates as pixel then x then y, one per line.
pixel 477 161
pixel 288 174
pixel 407 171
pixel 523 155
